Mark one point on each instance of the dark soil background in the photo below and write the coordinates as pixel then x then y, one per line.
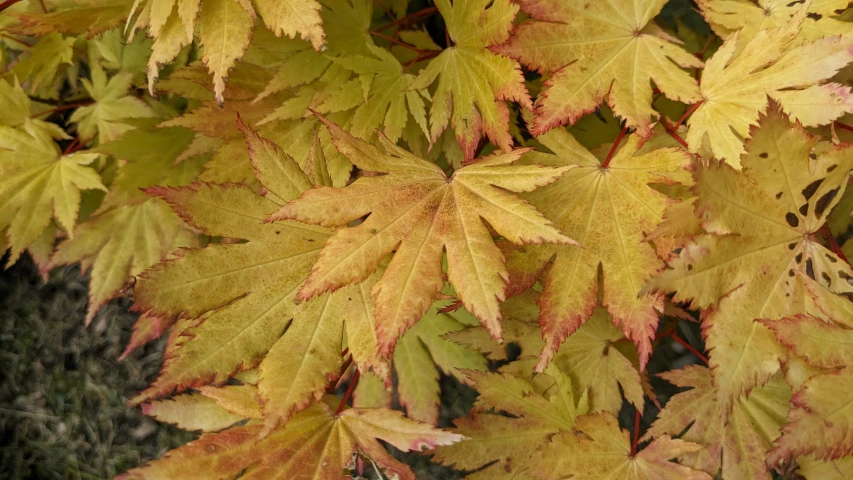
pixel 63 393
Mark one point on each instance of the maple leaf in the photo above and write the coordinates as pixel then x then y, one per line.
pixel 738 446
pixel 39 183
pixel 225 28
pixel 245 291
pixel 390 101
pixel 75 18
pixel 608 206
pixel 120 243
pixel 808 338
pixel 317 443
pixel 820 421
pixel 760 253
pixel 597 358
pixel 112 105
pixel 473 82
pixel 508 444
pixel 596 51
pixel 418 384
pixel 726 17
pixel 416 209
pixel 145 329
pixel 39 70
pixel 211 411
pixel 603 450
pixel 735 88
pixel 813 469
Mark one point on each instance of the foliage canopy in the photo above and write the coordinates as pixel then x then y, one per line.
pixel 527 196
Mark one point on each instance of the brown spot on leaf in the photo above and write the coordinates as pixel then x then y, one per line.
pixel 791 246
pixel 799 257
pixel 831 258
pixel 826 278
pixel 810 190
pixel 763 155
pixel 824 201
pixel 804 209
pixel 778 195
pixel 792 219
pixel 810 268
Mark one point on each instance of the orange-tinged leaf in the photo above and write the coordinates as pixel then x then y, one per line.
pixel 821 419
pixel 738 446
pixel 244 293
pixel 121 243
pixel 145 329
pixel 316 444
pixel 601 449
pixel 608 210
pixel 603 50
pixel 416 209
pixel 473 82
pixel 820 344
pixel 759 253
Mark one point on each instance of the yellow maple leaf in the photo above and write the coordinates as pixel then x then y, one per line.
pixel 225 29
pixel 77 17
pixel 608 206
pixel 506 445
pixel 473 82
pixel 600 449
pixel 820 421
pixel 244 294
pixel 112 105
pixel 760 254
pixel 737 446
pixel 735 87
pixel 418 210
pixel 317 443
pixel 38 182
pixel 747 17
pixel 601 50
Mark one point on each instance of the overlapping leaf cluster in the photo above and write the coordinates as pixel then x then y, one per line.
pixel 531 197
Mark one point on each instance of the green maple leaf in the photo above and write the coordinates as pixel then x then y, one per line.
pixel 38 183
pixel 473 82
pixel 112 105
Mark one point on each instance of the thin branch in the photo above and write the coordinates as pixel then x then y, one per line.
pixel 615 146
pixel 396 42
pixel 7 4
pixel 636 438
pixel 689 347
pixel 422 57
pixel 348 393
pixel 844 126
pixel 687 114
pixel 411 18
pixel 61 108
pixel 672 133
